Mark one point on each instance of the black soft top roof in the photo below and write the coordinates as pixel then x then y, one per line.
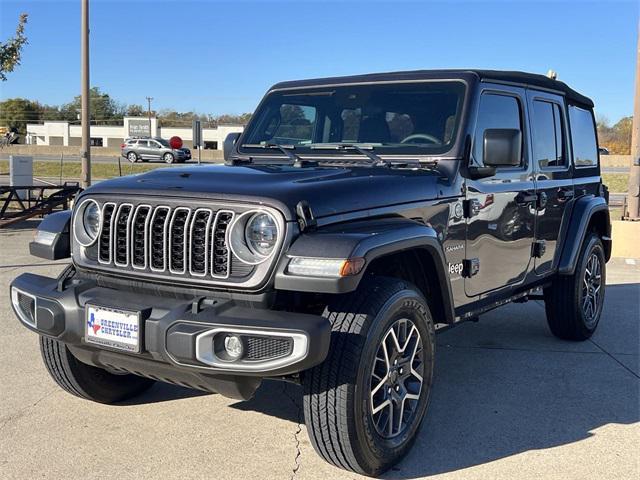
pixel 521 78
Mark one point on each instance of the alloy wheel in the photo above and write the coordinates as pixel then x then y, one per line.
pixel 396 379
pixel 591 288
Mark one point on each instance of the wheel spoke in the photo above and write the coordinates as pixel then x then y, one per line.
pixel 375 410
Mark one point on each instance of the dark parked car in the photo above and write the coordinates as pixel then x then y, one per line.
pixel 353 215
pixel 147 148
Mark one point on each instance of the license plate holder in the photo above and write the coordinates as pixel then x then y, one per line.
pixel 114 328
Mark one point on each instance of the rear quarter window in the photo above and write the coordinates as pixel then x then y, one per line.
pixel 583 137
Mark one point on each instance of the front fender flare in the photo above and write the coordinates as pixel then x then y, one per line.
pixel 58 245
pixel 370 241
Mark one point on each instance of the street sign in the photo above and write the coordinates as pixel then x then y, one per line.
pixel 197 134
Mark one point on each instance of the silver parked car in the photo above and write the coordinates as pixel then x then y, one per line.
pixel 147 148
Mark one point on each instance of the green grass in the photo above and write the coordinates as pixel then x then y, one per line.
pixel 71 170
pixel 617 182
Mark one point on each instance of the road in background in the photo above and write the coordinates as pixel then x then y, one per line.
pixel 114 159
pixel 94 158
pixel 509 401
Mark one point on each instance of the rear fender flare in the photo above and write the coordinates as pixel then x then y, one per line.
pixel 583 211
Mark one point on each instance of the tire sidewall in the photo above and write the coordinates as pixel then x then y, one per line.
pixel 404 304
pixel 593 244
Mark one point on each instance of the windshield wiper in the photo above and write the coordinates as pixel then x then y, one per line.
pixel 296 160
pixel 362 149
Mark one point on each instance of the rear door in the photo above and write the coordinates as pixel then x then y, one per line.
pixel 155 150
pixel 554 183
pixel 501 221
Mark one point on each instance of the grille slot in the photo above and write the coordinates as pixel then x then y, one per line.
pixel 104 244
pixel 199 242
pixel 139 227
pixel 157 239
pixel 178 231
pixel 121 235
pixel 220 255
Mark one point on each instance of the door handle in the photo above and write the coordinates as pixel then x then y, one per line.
pixel 526 197
pixel 565 194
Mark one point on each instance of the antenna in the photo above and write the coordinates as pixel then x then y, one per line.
pixel 552 74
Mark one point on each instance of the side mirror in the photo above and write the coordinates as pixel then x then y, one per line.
pixel 229 143
pixel 502 147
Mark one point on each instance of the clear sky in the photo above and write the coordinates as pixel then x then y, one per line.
pixel 220 57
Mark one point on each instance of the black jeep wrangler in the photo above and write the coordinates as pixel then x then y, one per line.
pixel 352 216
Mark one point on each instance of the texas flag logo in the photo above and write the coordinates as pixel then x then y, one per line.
pixel 92 323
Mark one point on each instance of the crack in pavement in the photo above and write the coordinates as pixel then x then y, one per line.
pixel 20 413
pixel 615 359
pixel 297 432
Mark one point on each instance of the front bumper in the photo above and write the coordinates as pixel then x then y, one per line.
pixel 177 333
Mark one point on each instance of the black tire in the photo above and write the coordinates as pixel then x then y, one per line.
pixel 568 314
pixel 339 418
pixel 168 158
pixel 85 381
pixel 132 157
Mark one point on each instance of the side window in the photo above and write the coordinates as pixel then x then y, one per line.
pixel 496 111
pixel 548 138
pixel 583 137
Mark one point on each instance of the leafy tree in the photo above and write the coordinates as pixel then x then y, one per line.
pixel 136 111
pixel 616 138
pixel 103 108
pixel 15 113
pixel 232 119
pixel 10 50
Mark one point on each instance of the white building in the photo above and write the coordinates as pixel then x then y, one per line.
pixel 64 134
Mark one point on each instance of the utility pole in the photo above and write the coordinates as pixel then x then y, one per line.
pixel 633 198
pixel 149 114
pixel 85 152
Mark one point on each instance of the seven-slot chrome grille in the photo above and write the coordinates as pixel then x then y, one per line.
pixel 184 241
pixel 163 239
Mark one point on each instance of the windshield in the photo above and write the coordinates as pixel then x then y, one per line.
pixel 404 118
pixel 163 142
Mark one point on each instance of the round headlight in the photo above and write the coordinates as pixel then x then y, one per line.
pixel 254 237
pixel 86 222
pixel 91 220
pixel 261 234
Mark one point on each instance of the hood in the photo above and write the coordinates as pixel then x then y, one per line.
pixel 328 190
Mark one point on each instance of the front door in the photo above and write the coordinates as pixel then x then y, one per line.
pixel 501 208
pixel 552 172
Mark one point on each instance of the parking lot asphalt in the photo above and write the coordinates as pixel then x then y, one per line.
pixel 509 402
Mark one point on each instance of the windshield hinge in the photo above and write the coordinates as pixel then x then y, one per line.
pixel 306 221
pixel 471 207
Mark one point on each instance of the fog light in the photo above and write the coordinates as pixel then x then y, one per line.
pixel 233 347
